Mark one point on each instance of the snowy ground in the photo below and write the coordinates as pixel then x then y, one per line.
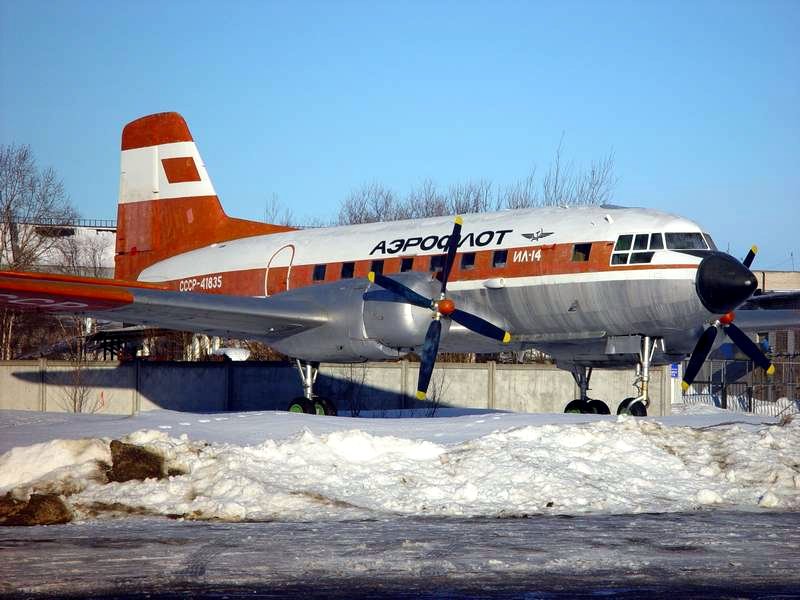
pixel 283 466
pixel 363 504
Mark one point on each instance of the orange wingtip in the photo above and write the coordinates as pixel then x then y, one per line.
pixel 60 296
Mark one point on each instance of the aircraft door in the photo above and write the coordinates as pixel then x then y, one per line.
pixel 279 269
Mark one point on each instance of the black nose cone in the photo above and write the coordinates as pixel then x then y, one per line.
pixel 723 283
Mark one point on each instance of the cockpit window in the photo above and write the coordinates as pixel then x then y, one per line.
pixel 623 243
pixel 685 241
pixel 710 242
pixel 640 242
pixel 656 242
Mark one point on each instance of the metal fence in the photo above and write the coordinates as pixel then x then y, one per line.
pixel 736 386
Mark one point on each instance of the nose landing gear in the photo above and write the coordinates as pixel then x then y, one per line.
pixel 637 406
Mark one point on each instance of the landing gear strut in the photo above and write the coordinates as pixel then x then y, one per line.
pixel 637 406
pixel 309 402
pixel 584 404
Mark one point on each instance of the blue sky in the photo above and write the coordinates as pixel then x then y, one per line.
pixel 700 101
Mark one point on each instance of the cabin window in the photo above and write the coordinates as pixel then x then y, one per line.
pixel 467 261
pixel 319 272
pixel 437 262
pixel 656 242
pixel 348 269
pixel 580 252
pixel 377 267
pixel 685 241
pixel 500 258
pixel 407 264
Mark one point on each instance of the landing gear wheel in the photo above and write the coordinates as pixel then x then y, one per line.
pixel 599 407
pixel 632 407
pixel 323 406
pixel 580 407
pixel 301 405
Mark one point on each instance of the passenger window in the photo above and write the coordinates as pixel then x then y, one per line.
pixel 407 264
pixel 656 242
pixel 638 258
pixel 348 269
pixel 619 259
pixel 467 261
pixel 580 252
pixel 319 272
pixel 623 243
pixel 640 242
pixel 499 258
pixel 437 262
pixel 377 267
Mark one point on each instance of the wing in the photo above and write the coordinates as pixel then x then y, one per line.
pixel 765 320
pixel 147 304
pixel 775 300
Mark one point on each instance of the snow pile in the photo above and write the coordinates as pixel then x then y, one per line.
pixel 622 466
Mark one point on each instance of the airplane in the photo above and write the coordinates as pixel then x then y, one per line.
pixel 591 286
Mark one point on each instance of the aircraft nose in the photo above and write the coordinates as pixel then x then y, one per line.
pixel 723 283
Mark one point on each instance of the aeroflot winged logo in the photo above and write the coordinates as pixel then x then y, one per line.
pixel 469 240
pixel 535 237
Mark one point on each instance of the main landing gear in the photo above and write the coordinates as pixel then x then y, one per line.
pixel 635 406
pixel 309 402
pixel 584 404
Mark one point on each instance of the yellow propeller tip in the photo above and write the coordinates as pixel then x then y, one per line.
pixel 506 338
pixel 371 276
pixel 421 395
pixel 771 370
pixel 459 220
pixel 684 386
pixel 754 248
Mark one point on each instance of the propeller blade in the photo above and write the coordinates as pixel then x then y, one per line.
pixel 699 355
pixel 406 293
pixel 452 248
pixel 748 260
pixel 481 326
pixel 428 357
pixel 749 347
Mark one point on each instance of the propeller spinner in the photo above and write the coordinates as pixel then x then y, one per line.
pixel 442 307
pixel 723 283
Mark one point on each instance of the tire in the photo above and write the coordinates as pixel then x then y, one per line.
pixel 323 406
pixel 579 407
pixel 632 407
pixel 600 407
pixel 301 405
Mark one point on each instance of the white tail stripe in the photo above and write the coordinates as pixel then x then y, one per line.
pixel 143 177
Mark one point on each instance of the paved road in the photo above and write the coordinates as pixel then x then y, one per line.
pixel 706 554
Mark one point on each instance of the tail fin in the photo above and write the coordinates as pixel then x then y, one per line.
pixel 167 203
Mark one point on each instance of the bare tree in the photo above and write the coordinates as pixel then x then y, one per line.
pixel 28 195
pixel 276 213
pixel 562 185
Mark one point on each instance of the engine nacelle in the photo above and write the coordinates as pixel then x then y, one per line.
pixel 365 322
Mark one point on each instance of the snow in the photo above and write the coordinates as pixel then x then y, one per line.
pixel 265 466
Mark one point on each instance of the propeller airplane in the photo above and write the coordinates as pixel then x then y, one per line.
pixel 592 286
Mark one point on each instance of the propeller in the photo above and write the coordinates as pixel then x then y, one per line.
pixel 723 284
pixel 441 307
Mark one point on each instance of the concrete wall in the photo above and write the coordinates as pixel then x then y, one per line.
pixel 127 388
